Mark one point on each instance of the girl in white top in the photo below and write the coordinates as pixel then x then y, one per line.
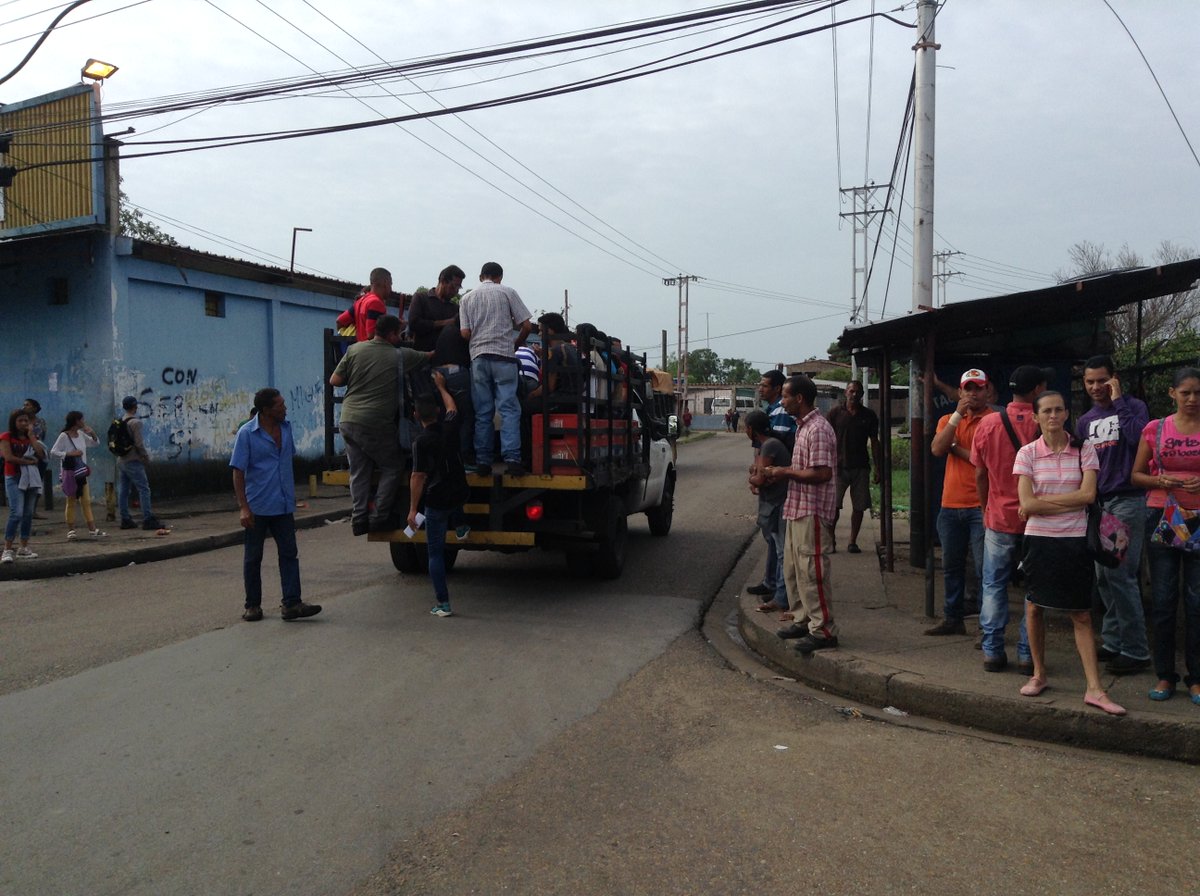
pixel 1056 481
pixel 73 442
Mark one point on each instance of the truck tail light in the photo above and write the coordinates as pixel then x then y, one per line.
pixel 534 511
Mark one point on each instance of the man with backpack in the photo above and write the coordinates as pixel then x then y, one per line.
pixel 125 441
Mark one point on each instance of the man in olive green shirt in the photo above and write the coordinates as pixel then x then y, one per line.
pixel 370 371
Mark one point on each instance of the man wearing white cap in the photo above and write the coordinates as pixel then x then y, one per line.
pixel 960 520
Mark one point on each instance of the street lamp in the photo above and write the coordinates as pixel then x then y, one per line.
pixel 97 70
pixel 296 230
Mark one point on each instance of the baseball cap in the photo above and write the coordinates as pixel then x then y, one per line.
pixel 974 375
pixel 1027 377
pixel 129 402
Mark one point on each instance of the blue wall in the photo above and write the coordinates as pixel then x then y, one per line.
pixel 138 327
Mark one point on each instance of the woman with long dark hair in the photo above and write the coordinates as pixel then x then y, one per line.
pixel 22 452
pixel 1056 481
pixel 1168 463
pixel 71 449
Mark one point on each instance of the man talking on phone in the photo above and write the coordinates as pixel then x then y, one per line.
pixel 1113 426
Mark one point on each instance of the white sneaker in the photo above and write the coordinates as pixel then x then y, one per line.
pixel 7 557
pixel 70 535
pixel 96 533
pixel 26 554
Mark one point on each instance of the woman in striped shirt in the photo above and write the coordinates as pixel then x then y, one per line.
pixel 1057 480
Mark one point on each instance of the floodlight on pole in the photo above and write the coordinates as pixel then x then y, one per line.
pixel 97 70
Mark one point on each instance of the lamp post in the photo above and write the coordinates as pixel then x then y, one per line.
pixel 295 230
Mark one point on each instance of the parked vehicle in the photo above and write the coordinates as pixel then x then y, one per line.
pixel 591 469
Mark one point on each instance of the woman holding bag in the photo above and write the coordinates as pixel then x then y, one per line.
pixel 1168 467
pixel 71 449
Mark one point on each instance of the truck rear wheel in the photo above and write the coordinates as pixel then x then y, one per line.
pixel 660 517
pixel 410 558
pixel 609 560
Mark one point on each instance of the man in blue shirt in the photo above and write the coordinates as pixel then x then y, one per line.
pixel 266 495
pixel 783 427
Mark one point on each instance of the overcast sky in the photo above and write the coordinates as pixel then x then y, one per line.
pixel 1050 130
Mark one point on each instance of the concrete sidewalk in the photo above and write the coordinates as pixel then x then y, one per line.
pixel 885 660
pixel 200 523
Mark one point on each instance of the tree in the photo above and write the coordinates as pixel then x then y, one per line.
pixel 706 366
pixel 133 223
pixel 738 370
pixel 1164 319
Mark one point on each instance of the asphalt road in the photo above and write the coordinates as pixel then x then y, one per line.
pixel 153 743
pixel 556 737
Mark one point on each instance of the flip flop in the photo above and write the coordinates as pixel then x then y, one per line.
pixel 1102 702
pixel 1034 687
pixel 768 607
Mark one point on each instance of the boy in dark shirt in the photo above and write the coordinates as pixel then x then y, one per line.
pixel 440 482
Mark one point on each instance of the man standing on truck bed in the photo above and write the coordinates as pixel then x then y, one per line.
pixel 364 314
pixel 370 371
pixel 488 316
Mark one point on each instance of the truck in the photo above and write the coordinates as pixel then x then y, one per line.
pixel 593 466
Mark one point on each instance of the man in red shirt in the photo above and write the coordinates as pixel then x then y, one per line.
pixel 993 454
pixel 368 307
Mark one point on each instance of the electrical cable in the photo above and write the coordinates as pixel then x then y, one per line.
pixel 1157 83
pixel 41 40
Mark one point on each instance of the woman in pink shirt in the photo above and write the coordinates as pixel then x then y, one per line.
pixel 1057 480
pixel 1168 461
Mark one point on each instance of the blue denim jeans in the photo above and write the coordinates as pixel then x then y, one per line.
pixel 998 551
pixel 437 522
pixel 959 528
pixel 774 557
pixel 777 539
pixel 21 504
pixel 1124 627
pixel 283 529
pixel 132 473
pixel 1165 567
pixel 494 387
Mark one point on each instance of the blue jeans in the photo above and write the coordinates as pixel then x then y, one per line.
pixel 494 387
pixel 998 551
pixel 1165 566
pixel 132 473
pixel 21 504
pixel 959 528
pixel 437 522
pixel 774 555
pixel 283 529
pixel 1124 627
pixel 777 539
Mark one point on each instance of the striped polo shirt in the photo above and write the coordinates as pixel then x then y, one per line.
pixel 1055 473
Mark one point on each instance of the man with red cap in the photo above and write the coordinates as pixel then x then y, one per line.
pixel 960 520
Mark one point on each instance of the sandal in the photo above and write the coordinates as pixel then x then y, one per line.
pixel 1034 687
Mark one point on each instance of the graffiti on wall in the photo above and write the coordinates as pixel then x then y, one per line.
pixel 189 417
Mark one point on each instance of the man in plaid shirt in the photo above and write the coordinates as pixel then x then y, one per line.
pixel 809 510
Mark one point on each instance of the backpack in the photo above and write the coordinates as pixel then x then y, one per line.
pixel 120 442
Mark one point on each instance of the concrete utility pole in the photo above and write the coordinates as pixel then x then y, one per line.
pixel 920 546
pixel 682 281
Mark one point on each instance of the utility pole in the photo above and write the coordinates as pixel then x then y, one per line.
pixel 943 275
pixel 707 315
pixel 921 540
pixel 566 308
pixel 865 209
pixel 682 281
